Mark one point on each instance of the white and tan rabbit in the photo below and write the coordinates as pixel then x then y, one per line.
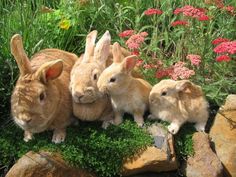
pixel 178 102
pixel 88 103
pixel 128 94
pixel 41 99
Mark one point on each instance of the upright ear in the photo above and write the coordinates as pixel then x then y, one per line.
pixel 49 71
pixel 90 45
pixel 102 49
pixel 117 53
pixel 19 54
pixel 129 63
pixel 183 85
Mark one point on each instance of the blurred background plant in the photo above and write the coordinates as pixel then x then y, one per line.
pixel 173 39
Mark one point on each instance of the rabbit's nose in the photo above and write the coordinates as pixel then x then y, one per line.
pixel 89 90
pixel 78 96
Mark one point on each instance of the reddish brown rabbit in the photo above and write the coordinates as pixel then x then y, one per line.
pixel 41 99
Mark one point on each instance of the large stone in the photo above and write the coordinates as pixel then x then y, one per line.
pixel 158 158
pixel 44 164
pixel 204 163
pixel 223 134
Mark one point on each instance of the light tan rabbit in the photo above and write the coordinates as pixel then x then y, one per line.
pixel 41 99
pixel 128 94
pixel 178 102
pixel 88 103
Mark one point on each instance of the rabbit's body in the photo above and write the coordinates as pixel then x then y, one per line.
pixel 41 100
pixel 178 102
pixel 128 94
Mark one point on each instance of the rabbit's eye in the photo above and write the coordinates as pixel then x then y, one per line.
pixel 95 76
pixel 41 96
pixel 163 93
pixel 112 79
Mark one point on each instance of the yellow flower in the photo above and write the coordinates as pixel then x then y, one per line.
pixel 65 24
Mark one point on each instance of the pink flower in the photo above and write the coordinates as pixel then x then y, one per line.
pixel 222 58
pixel 219 40
pixel 152 11
pixel 136 40
pixel 179 23
pixel 163 73
pixel 149 66
pixel 180 71
pixel 226 47
pixel 126 33
pixel 193 12
pixel 195 59
pixel 230 9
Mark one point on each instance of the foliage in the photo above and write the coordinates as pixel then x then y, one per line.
pixel 87 146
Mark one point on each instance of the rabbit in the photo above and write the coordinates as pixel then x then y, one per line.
pixel 178 102
pixel 88 103
pixel 128 94
pixel 41 99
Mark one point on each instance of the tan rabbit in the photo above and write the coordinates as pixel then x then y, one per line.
pixel 88 103
pixel 41 99
pixel 178 102
pixel 128 94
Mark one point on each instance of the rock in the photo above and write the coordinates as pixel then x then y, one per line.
pixel 44 164
pixel 223 134
pixel 204 163
pixel 158 158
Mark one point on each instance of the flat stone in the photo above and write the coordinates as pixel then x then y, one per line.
pixel 223 135
pixel 204 163
pixel 44 164
pixel 157 158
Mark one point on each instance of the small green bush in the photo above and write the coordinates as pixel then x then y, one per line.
pixel 87 146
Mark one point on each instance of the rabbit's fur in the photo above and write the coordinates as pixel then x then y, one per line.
pixel 41 99
pixel 128 94
pixel 178 102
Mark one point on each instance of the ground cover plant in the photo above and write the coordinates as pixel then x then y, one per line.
pixel 174 39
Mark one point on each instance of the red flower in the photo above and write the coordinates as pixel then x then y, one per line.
pixel 152 11
pixel 179 23
pixel 219 40
pixel 203 18
pixel 230 9
pixel 226 47
pixel 139 62
pixel 163 73
pixel 126 33
pixel 135 52
pixel 195 59
pixel 177 11
pixel 136 40
pixel 222 58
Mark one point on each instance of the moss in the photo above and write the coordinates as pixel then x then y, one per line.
pixel 87 146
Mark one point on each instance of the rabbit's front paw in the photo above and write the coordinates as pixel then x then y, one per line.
pixel 173 128
pixel 58 136
pixel 28 136
pixel 200 127
pixel 106 124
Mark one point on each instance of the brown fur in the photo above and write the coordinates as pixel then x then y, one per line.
pixel 182 102
pixel 55 109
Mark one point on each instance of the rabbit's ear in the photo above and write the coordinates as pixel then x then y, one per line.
pixel 90 45
pixel 117 53
pixel 129 63
pixel 19 54
pixel 183 85
pixel 102 49
pixel 49 71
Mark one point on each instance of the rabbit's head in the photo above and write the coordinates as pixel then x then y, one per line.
pixel 84 76
pixel 116 77
pixel 34 98
pixel 168 92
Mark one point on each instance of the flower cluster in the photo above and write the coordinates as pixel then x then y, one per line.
pixel 224 49
pixel 219 40
pixel 176 71
pixel 152 11
pixel 193 12
pixel 126 33
pixel 195 59
pixel 136 40
pixel 179 23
